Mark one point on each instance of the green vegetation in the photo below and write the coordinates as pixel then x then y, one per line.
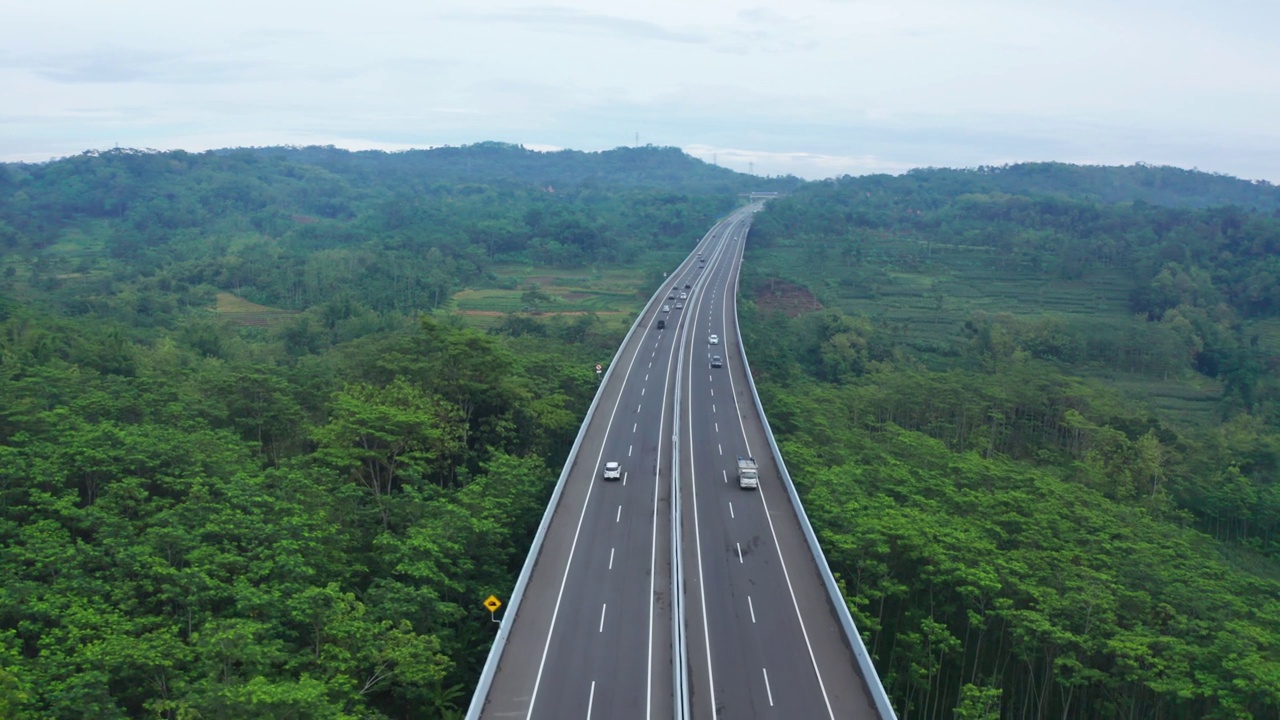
pixel 1038 434
pixel 274 422
pixel 257 460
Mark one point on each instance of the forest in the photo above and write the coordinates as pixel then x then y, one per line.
pixel 274 421
pixel 1037 433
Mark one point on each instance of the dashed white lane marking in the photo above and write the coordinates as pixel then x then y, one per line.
pixel 713 390
pixel 638 408
pixel 726 475
pixel 611 562
pixel 642 392
pixel 717 427
pixel 646 377
pixel 713 407
pixel 629 449
pixel 735 517
pixel 624 479
pixel 602 609
pixel 751 606
pixel 721 448
pixel 618 518
pixel 766 685
pixel 634 425
pixel 591 699
pixel 739 549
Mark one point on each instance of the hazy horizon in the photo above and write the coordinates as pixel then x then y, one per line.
pixel 814 88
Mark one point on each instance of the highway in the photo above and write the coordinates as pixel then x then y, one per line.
pixel 763 640
pixel 592 631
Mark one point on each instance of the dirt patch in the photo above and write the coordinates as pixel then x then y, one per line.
pixel 781 296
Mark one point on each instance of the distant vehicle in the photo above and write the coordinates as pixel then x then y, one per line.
pixel 716 361
pixel 684 296
pixel 679 305
pixel 748 473
pixel 714 339
pixel 661 323
pixel 687 286
pixel 666 308
pixel 671 295
pixel 612 470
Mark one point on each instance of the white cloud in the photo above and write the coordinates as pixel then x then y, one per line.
pixel 803 86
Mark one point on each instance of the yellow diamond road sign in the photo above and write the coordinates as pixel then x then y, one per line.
pixel 492 603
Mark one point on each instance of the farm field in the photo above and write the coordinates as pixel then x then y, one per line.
pixel 613 294
pixel 924 294
pixel 242 312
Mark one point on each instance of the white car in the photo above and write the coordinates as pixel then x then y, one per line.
pixel 612 470
pixel 714 339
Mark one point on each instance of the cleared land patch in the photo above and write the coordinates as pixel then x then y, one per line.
pixel 242 312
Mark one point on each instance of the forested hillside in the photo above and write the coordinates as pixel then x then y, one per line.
pixel 274 421
pixel 253 463
pixel 1038 432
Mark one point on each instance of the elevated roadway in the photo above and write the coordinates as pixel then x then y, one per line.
pixel 595 628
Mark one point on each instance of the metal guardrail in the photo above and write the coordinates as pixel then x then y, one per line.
pixel 869 674
pixel 535 550
pixel 679 646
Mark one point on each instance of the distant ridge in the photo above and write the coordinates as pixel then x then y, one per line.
pixel 649 166
pixel 1155 184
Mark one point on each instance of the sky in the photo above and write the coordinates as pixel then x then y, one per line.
pixel 813 88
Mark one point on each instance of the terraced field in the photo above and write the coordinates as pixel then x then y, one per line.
pixel 242 312
pixel 614 295
pixel 924 295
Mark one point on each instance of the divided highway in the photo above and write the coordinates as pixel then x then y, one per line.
pixel 594 628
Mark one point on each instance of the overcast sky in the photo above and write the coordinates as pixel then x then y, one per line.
pixel 811 87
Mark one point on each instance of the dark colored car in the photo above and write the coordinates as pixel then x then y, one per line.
pixel 716 361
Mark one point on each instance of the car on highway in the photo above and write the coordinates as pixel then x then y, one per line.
pixel 612 470
pixel 714 339
pixel 666 308
pixel 716 361
pixel 688 285
pixel 684 296
pixel 679 305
